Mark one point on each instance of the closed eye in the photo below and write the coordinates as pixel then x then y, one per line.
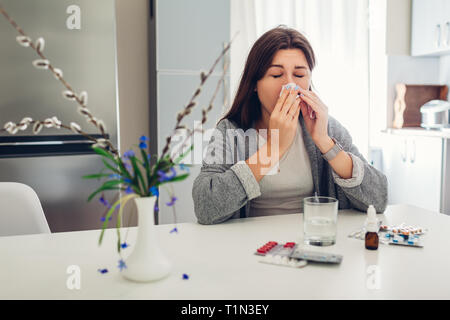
pixel 277 76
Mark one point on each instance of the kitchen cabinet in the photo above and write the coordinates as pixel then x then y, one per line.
pixel 430 27
pixel 414 168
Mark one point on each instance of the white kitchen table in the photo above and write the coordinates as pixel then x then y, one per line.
pixel 221 264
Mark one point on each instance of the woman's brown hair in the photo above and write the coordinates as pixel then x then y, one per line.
pixel 246 106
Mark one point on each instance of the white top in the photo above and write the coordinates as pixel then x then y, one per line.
pixel 221 263
pixel 285 186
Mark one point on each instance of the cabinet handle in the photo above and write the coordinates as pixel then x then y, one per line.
pixel 412 157
pixel 403 153
pixel 438 36
pixel 447 34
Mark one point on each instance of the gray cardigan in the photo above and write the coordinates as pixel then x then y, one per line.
pixel 223 189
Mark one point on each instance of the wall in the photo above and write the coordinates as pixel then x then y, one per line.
pixel 398 23
pixel 132 59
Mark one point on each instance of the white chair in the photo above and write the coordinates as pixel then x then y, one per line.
pixel 20 210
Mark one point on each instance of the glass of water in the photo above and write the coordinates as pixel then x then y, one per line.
pixel 319 220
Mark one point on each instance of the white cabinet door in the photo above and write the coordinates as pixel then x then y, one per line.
pixel 429 28
pixel 395 167
pixel 423 184
pixel 413 166
pixel 446 25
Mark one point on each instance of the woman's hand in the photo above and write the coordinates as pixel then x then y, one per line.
pixel 315 114
pixel 284 118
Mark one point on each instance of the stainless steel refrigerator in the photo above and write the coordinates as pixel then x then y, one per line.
pixel 80 39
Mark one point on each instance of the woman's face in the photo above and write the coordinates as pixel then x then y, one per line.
pixel 288 65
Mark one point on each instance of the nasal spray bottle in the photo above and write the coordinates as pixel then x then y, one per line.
pixel 372 229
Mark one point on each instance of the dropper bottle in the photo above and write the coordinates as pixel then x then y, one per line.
pixel 372 229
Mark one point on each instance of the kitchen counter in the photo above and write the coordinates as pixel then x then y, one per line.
pixel 410 131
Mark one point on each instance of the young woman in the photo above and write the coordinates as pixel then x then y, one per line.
pixel 305 151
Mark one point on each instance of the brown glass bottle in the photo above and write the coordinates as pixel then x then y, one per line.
pixel 372 240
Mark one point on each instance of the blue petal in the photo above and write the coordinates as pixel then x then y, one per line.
pixel 129 190
pixel 103 201
pixel 124 245
pixel 143 139
pixel 122 265
pixel 174 173
pixel 143 145
pixel 154 191
pixel 128 154
pixel 172 201
pixel 103 271
pixel 127 165
pixel 185 276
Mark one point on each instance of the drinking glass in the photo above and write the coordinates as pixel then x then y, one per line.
pixel 320 220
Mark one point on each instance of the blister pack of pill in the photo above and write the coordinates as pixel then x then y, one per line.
pixel 413 240
pixel 290 255
pixel 279 254
pixel 404 229
pixel 402 234
pixel 315 256
pixel 274 247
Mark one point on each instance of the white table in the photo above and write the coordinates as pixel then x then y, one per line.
pixel 221 264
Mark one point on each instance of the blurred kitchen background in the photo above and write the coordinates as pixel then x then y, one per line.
pixel 141 60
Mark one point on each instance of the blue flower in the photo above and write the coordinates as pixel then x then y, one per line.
pixel 143 139
pixel 103 201
pixel 118 207
pixel 124 245
pixel 163 177
pixel 174 230
pixel 172 201
pixel 103 271
pixel 183 167
pixel 129 190
pixel 103 219
pixel 185 276
pixel 143 145
pixel 122 265
pixel 127 180
pixel 154 191
pixel 128 154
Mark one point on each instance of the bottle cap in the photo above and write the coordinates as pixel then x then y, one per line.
pixel 372 221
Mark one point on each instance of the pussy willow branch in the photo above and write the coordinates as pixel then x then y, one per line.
pixel 192 103
pixel 59 77
pixel 87 136
pixel 210 106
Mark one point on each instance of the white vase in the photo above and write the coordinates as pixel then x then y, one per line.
pixel 146 262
